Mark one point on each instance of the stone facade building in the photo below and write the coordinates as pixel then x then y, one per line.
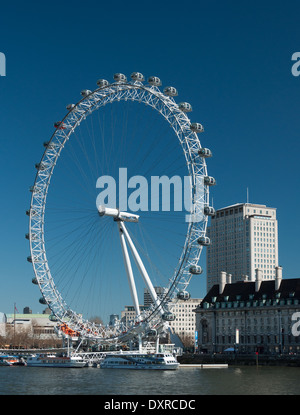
pixel 248 316
pixel 184 324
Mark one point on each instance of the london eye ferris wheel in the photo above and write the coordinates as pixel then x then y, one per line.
pixel 92 254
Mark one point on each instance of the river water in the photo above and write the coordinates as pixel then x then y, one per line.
pixel 244 380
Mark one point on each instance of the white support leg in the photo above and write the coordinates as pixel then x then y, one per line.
pixel 141 267
pixel 120 218
pixel 129 272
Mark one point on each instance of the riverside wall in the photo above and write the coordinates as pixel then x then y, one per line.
pixel 241 359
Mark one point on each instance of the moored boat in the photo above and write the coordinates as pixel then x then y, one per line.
pixel 155 361
pixel 8 360
pixel 44 360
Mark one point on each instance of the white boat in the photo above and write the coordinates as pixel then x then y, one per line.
pixel 46 360
pixel 8 360
pixel 127 360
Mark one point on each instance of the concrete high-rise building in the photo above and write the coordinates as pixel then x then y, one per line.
pixel 184 324
pixel 160 291
pixel 243 237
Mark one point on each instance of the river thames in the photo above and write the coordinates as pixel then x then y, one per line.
pixel 242 380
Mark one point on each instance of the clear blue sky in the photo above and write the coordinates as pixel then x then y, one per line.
pixel 231 60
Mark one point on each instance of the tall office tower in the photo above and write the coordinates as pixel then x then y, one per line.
pixel 243 237
pixel 147 296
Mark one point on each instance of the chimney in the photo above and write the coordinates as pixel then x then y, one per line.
pixel 229 278
pixel 278 277
pixel 222 281
pixel 258 280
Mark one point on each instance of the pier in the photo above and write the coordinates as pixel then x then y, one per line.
pixel 205 366
pixel 236 359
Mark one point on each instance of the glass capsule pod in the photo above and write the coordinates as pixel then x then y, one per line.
pixel 204 240
pixel 209 210
pixel 85 92
pixel 35 189
pixel 154 81
pixel 185 107
pixel 170 91
pixel 197 127
pixel 49 145
pixel 205 152
pixel 42 300
pixel 40 166
pixel 119 77
pixel 209 181
pixel 33 236
pixel 195 269
pixel 168 316
pixel 29 259
pixel 102 83
pixel 137 76
pixel 52 317
pixel 183 295
pixel 69 107
pixel 34 281
pixel 30 212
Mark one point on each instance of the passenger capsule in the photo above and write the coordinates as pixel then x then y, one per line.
pixel 209 211
pixel 170 91
pixel 197 128
pixel 33 236
pixel 183 295
pixel 52 317
pixel 85 92
pixel 49 145
pixel 195 269
pixel 69 107
pixel 34 281
pixel 185 107
pixel 154 81
pixel 168 316
pixel 35 189
pixel 205 152
pixel 29 259
pixel 119 77
pixel 59 125
pixel 204 241
pixel 137 76
pixel 40 166
pixel 209 181
pixel 42 300
pixel 102 83
pixel 30 212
